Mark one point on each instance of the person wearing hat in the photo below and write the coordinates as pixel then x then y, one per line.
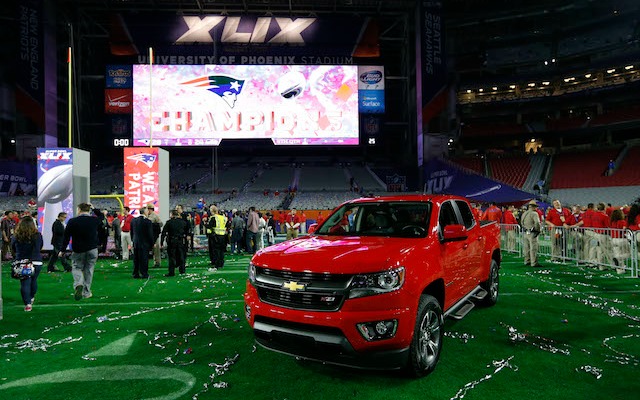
pixel 530 223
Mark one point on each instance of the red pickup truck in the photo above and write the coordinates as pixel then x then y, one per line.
pixel 371 286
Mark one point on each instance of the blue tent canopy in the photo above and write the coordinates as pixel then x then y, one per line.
pixel 445 177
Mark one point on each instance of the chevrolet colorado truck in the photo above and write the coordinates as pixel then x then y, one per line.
pixel 371 286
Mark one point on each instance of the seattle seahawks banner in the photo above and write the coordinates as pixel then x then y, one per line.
pixel 55 188
pixel 146 179
pixel 222 39
pixel 432 59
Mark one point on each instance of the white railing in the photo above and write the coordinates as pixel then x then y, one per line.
pixel 602 248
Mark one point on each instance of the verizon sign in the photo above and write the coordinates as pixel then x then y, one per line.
pixel 118 101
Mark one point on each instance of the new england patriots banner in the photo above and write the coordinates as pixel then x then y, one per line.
pixel 222 39
pixel 55 188
pixel 141 177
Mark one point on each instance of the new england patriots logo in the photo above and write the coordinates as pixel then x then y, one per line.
pixel 146 158
pixel 227 87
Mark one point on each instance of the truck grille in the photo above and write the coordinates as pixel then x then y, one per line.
pixel 322 292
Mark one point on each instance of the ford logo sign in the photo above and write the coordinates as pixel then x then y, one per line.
pixel 371 77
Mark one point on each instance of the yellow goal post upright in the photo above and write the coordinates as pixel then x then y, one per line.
pixel 118 197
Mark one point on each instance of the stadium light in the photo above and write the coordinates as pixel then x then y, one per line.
pixel 533 140
pixel 628 67
pixel 481 90
pixel 532 84
pixel 495 88
pixel 468 90
pixel 611 71
pixel 512 86
pixel 546 83
pixel 587 76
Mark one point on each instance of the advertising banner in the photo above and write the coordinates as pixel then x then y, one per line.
pixel 141 177
pixel 201 105
pixel 371 89
pixel 448 178
pixel 17 177
pixel 118 101
pixel 223 39
pixel 119 77
pixel 55 188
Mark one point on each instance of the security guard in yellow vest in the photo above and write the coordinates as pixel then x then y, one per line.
pixel 217 237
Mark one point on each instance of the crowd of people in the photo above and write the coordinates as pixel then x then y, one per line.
pixel 599 234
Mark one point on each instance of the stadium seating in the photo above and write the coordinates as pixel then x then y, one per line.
pixel 587 169
pixel 617 195
pixel 474 163
pixel 510 170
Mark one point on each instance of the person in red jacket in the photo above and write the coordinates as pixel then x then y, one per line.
pixel 558 220
pixel 619 243
pixel 601 250
pixel 493 213
pixel 511 223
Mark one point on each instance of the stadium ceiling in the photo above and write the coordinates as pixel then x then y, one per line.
pixel 297 7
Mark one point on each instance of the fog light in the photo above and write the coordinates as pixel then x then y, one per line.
pixel 247 311
pixel 378 330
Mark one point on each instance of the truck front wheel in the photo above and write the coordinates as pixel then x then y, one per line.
pixel 427 337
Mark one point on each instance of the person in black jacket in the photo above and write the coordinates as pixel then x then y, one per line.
pixel 84 231
pixel 26 244
pixel 175 232
pixel 142 237
pixel 56 240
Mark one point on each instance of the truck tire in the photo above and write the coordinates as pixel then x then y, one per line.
pixel 491 285
pixel 426 344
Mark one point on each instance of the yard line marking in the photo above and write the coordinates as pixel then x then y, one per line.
pixel 119 347
pixel 112 373
pixel 139 303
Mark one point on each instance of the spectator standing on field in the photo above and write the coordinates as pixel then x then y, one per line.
pixel 127 243
pixel 292 224
pixel 26 244
pixel 57 238
pixel 83 229
pixel 156 224
pixel 142 236
pixel 531 228
pixel 253 225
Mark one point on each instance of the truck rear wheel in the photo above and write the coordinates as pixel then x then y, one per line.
pixel 426 344
pixel 491 285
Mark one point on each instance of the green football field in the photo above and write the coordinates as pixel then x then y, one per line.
pixel 560 332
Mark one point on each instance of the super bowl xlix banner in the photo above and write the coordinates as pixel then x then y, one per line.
pixel 55 188
pixel 141 177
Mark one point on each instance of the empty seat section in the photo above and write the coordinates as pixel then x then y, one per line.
pixel 510 170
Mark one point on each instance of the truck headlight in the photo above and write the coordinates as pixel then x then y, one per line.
pixel 377 283
pixel 252 273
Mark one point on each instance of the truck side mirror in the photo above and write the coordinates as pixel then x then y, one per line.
pixel 312 228
pixel 454 232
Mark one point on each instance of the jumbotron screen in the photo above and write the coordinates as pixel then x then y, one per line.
pixel 201 105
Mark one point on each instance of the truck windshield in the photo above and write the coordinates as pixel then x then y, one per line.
pixel 392 219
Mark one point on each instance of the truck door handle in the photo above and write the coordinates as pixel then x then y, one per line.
pixel 465 246
pixel 479 237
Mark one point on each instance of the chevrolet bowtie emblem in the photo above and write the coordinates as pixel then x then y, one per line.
pixel 294 286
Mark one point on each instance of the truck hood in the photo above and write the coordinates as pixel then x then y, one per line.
pixel 337 254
